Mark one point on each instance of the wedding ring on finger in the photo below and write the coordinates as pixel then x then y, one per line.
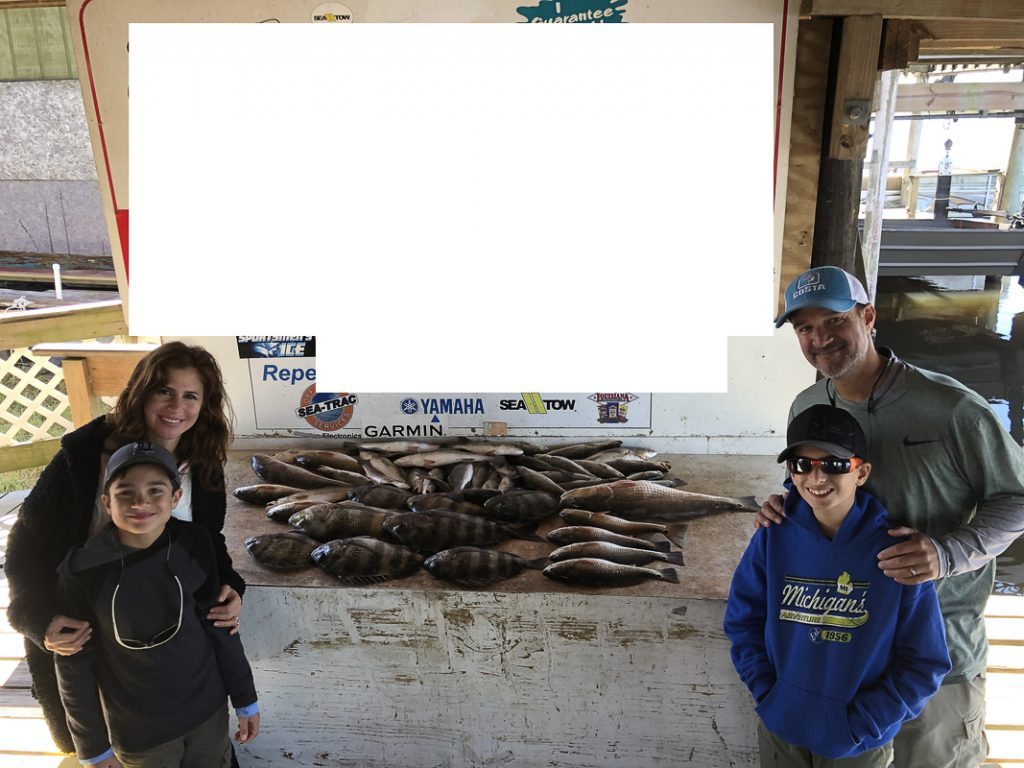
pixel 913 572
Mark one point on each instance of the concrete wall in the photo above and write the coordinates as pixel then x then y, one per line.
pixel 49 196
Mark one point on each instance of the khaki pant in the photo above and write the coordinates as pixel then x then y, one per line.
pixel 950 733
pixel 207 746
pixel 776 753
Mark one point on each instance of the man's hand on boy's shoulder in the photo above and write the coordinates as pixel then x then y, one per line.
pixel 248 728
pixel 909 562
pixel 771 511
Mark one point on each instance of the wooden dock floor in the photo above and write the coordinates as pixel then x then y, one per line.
pixel 25 741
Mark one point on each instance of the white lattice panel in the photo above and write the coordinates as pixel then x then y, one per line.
pixel 31 400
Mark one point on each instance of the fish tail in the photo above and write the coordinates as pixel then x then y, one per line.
pixel 675 533
pixel 749 502
pixel 669 575
pixel 675 557
pixel 662 546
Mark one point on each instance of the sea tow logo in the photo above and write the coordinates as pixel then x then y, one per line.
pixel 331 12
pixel 403 430
pixel 443 406
pixel 811 601
pixel 807 284
pixel 574 12
pixel 276 346
pixel 533 403
pixel 612 407
pixel 327 411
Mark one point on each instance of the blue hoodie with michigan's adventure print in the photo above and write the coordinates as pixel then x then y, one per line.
pixel 836 654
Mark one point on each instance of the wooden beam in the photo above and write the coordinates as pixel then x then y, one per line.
pixel 936 31
pixel 994 10
pixel 5 4
pixel 79 321
pixel 27 455
pixel 855 82
pixel 900 44
pixel 84 402
pixel 810 81
pixel 947 97
pixel 108 365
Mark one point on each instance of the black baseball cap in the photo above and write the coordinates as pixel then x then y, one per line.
pixel 828 428
pixel 141 452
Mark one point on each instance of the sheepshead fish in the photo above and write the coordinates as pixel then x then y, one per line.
pixel 324 522
pixel 621 525
pixel 271 470
pixel 435 530
pixel 476 567
pixel 480 495
pixel 263 493
pixel 604 573
pixel 521 506
pixel 287 551
pixel 571 534
pixel 449 502
pixel 387 496
pixel 365 560
pixel 605 550
pixel 645 500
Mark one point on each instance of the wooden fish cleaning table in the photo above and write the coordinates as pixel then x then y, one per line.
pixel 531 672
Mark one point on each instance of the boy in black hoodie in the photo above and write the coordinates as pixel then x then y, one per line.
pixel 149 688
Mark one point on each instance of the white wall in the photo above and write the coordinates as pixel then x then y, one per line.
pixel 764 375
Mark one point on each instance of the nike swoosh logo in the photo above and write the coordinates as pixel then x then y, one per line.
pixel 908 442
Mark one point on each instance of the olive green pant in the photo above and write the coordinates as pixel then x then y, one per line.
pixel 206 746
pixel 776 753
pixel 950 732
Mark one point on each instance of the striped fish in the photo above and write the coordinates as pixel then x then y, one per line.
pixel 365 560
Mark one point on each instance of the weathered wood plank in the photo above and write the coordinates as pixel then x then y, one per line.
pixel 71 323
pixel 992 10
pixel 855 81
pixel 26 456
pixel 464 678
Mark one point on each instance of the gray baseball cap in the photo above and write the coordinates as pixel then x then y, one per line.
pixel 141 452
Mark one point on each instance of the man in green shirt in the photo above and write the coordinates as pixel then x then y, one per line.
pixel 950 476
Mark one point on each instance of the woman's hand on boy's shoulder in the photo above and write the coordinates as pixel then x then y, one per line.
pixel 771 511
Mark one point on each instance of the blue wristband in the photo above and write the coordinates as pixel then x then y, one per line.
pixel 93 760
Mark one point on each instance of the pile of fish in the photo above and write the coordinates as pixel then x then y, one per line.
pixel 369 512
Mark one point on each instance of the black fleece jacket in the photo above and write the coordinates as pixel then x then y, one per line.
pixel 55 518
pixel 152 695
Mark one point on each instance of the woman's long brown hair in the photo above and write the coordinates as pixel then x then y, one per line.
pixel 204 446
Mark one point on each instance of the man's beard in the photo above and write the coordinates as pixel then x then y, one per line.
pixel 846 363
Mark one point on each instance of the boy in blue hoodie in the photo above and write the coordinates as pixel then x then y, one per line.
pixel 836 654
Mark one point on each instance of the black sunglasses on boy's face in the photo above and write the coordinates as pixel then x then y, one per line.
pixel 830 465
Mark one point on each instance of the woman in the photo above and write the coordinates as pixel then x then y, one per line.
pixel 175 398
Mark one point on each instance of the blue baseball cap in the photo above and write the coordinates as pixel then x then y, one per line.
pixel 823 288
